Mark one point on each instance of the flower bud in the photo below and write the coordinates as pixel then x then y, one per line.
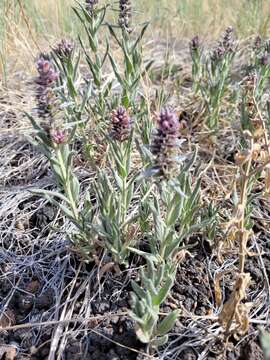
pixel 90 4
pixel 45 81
pixel 63 49
pixel 125 15
pixel 58 136
pixel 165 140
pixel 121 124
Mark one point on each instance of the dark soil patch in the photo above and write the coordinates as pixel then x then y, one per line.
pixel 109 334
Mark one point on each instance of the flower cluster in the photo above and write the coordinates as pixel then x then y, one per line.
pixel 225 45
pixel 165 140
pixel 58 136
pixel 121 124
pixel 90 4
pixel 262 50
pixel 257 43
pixel 194 44
pixel 45 80
pixel 124 15
pixel 63 49
pixel 249 84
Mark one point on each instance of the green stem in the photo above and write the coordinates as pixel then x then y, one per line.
pixel 66 183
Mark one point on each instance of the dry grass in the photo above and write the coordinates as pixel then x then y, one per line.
pixel 29 26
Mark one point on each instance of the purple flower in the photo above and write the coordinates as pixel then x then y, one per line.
pixel 228 41
pixel 45 81
pixel 218 53
pixel 64 48
pixel 165 141
pixel 121 124
pixel 90 4
pixel 47 75
pixel 225 45
pixel 194 43
pixel 257 43
pixel 125 15
pixel 58 136
pixel 264 59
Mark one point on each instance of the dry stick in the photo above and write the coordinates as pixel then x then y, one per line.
pixel 265 275
pixel 265 134
pixel 243 235
pixel 266 141
pixel 243 201
pixel 69 315
pixel 107 316
pixel 59 329
pixel 246 176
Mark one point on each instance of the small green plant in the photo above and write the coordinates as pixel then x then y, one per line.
pixel 115 193
pixel 152 194
pixel 211 75
pixel 259 67
pixel 132 55
pixel 173 207
pixel 156 282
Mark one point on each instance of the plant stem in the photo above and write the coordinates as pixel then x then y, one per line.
pixel 243 200
pixel 66 183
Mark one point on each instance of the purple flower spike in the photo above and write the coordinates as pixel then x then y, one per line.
pixel 121 124
pixel 257 43
pixel 194 43
pixel 58 136
pixel 45 81
pixel 165 141
pixel 264 59
pixel 125 15
pixel 47 74
pixel 64 49
pixel 225 46
pixel 90 5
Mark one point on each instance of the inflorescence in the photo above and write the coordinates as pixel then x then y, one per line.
pixel 121 124
pixel 45 81
pixel 125 15
pixel 165 141
pixel 225 46
pixel 90 4
pixel 63 49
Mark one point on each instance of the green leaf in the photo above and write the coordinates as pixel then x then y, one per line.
pixel 49 193
pixel 65 210
pixel 149 285
pixel 143 336
pixel 75 187
pixel 130 191
pixel 116 71
pixel 136 318
pixel 138 290
pixel 167 323
pixel 146 255
pixel 140 35
pixel 71 87
pixel 112 32
pixel 159 274
pixel 164 291
pixel 128 62
pixel 265 343
pixel 175 210
pixel 160 341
